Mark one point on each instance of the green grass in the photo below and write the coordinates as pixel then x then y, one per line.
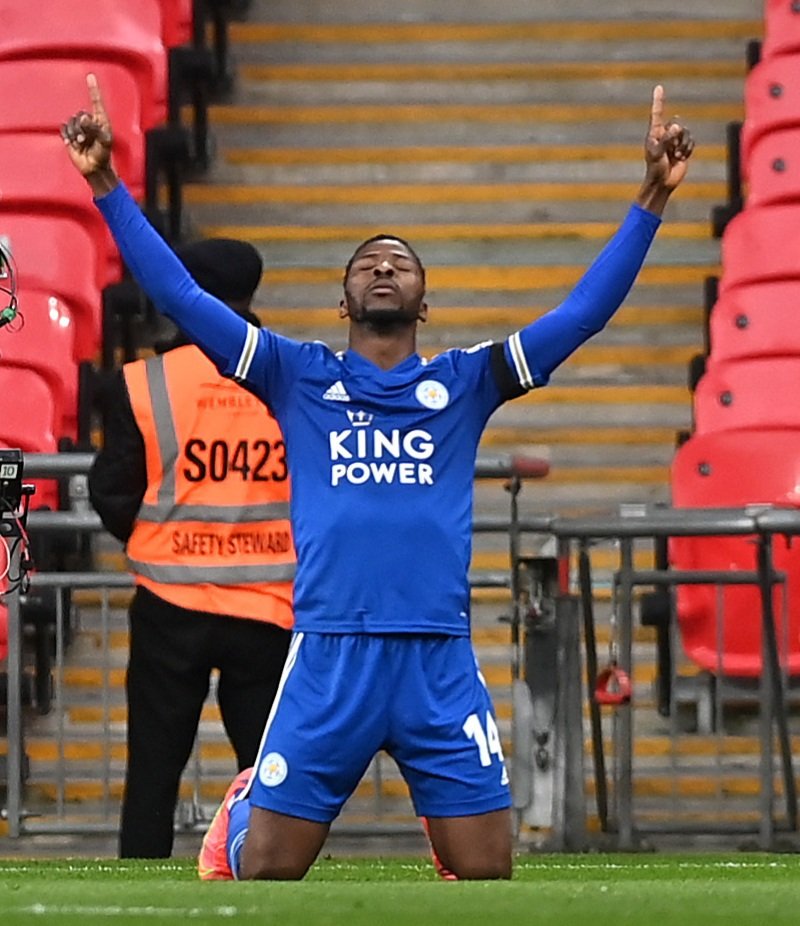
pixel 568 890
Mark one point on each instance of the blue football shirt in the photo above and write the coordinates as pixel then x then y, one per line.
pixel 382 465
pixel 381 462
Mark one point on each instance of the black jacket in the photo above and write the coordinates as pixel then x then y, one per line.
pixel 118 477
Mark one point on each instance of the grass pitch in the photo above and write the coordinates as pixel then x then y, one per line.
pixel 567 890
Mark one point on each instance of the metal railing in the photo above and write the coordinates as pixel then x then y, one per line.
pixel 553 597
pixel 763 523
pixel 60 816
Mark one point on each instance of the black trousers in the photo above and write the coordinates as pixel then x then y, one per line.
pixel 172 653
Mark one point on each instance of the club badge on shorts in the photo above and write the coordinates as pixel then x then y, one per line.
pixel 272 770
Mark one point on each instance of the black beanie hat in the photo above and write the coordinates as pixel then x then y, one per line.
pixel 225 267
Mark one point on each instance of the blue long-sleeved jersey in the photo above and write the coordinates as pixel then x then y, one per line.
pixel 381 461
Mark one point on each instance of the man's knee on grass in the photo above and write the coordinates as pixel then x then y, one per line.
pixel 279 847
pixel 474 847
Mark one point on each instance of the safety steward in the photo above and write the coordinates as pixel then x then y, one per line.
pixel 193 480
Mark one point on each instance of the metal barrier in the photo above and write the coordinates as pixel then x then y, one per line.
pixel 641 522
pixel 58 813
pixel 553 592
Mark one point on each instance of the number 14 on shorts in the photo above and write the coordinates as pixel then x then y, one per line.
pixel 486 738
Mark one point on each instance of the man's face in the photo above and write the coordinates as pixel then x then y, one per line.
pixel 385 285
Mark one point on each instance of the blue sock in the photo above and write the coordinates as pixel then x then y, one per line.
pixel 237 830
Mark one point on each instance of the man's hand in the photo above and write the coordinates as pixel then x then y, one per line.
pixel 88 140
pixel 667 149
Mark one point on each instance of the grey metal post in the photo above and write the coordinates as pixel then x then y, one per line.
pixel 536 698
pixel 772 670
pixel 569 799
pixel 624 711
pixel 766 829
pixel 61 765
pixel 14 730
pixel 766 800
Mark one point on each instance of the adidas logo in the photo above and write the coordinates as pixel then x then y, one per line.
pixel 337 393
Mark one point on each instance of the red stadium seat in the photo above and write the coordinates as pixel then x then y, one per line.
pixel 27 421
pixel 755 321
pixel 782 28
pixel 735 469
pixel 39 95
pixel 123 32
pixel 43 343
pixel 37 178
pixel 743 394
pixel 774 169
pixel 27 409
pixel 761 244
pixel 59 257
pixel 771 102
pixel 177 21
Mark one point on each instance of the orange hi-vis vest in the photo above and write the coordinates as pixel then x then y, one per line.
pixel 213 531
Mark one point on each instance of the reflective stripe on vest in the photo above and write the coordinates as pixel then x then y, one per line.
pixel 219 575
pixel 253 530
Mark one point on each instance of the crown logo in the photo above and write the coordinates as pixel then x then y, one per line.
pixel 360 419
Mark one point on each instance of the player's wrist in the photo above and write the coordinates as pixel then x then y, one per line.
pixel 102 181
pixel 653 195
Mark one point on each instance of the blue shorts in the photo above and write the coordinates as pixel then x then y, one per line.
pixel 344 697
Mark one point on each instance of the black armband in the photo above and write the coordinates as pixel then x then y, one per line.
pixel 507 384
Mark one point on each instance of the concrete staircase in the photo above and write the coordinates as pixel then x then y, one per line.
pixel 504 140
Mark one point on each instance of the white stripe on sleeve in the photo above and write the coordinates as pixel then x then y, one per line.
pixel 247 354
pixel 520 361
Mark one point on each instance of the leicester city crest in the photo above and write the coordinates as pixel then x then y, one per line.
pixel 432 394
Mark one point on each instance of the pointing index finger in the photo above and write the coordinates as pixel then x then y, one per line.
pixel 98 109
pixel 657 107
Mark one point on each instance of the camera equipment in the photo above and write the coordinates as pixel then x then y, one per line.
pixel 11 478
pixel 8 283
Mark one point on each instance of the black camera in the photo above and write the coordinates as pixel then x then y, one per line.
pixel 10 478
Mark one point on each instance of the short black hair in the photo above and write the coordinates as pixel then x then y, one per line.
pixel 384 237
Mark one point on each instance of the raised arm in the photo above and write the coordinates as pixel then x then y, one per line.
pixel 534 352
pixel 209 323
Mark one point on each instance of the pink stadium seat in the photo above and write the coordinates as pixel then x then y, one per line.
pixel 43 343
pixel 748 394
pixel 37 178
pixel 734 469
pixel 774 169
pixel 782 28
pixel 123 32
pixel 761 244
pixel 755 321
pixel 771 102
pixel 27 420
pixel 57 256
pixel 39 95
